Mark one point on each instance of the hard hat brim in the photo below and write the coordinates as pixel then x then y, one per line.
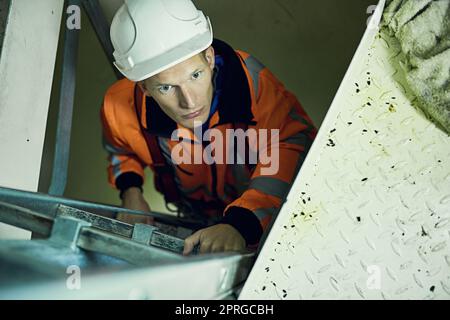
pixel 149 68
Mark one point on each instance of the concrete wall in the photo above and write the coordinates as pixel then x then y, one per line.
pixel 307 44
pixel 26 70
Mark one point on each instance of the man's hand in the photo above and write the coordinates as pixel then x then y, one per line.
pixel 218 238
pixel 133 199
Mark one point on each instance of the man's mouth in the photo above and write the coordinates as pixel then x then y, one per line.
pixel 193 114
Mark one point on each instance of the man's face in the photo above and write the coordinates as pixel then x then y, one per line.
pixel 184 92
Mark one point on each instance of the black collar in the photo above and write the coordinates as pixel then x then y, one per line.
pixel 234 105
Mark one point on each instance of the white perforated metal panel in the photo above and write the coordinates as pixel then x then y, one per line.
pixel 368 216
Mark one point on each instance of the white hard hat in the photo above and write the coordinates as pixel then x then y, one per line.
pixel 150 36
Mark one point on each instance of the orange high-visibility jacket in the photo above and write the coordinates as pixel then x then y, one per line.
pixel 250 95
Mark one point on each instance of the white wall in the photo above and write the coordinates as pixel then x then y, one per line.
pixel 26 74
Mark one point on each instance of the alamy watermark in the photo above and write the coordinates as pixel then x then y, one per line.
pixel 264 148
pixel 371 23
pixel 73 281
pixel 74 17
pixel 374 280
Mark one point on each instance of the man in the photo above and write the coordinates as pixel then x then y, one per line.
pixel 187 94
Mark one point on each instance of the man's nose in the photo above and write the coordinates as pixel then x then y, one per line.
pixel 187 97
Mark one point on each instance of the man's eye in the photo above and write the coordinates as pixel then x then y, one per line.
pixel 165 89
pixel 196 75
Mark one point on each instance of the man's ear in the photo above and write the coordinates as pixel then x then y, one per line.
pixel 210 57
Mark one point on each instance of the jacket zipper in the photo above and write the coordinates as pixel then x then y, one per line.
pixel 213 174
pixel 214 179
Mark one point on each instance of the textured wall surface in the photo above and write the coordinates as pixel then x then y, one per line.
pixel 26 66
pixel 369 214
pixel 26 71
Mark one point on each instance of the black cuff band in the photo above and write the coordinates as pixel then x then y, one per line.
pixel 246 222
pixel 127 180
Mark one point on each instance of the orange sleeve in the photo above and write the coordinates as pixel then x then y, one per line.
pixel 122 159
pixel 275 108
